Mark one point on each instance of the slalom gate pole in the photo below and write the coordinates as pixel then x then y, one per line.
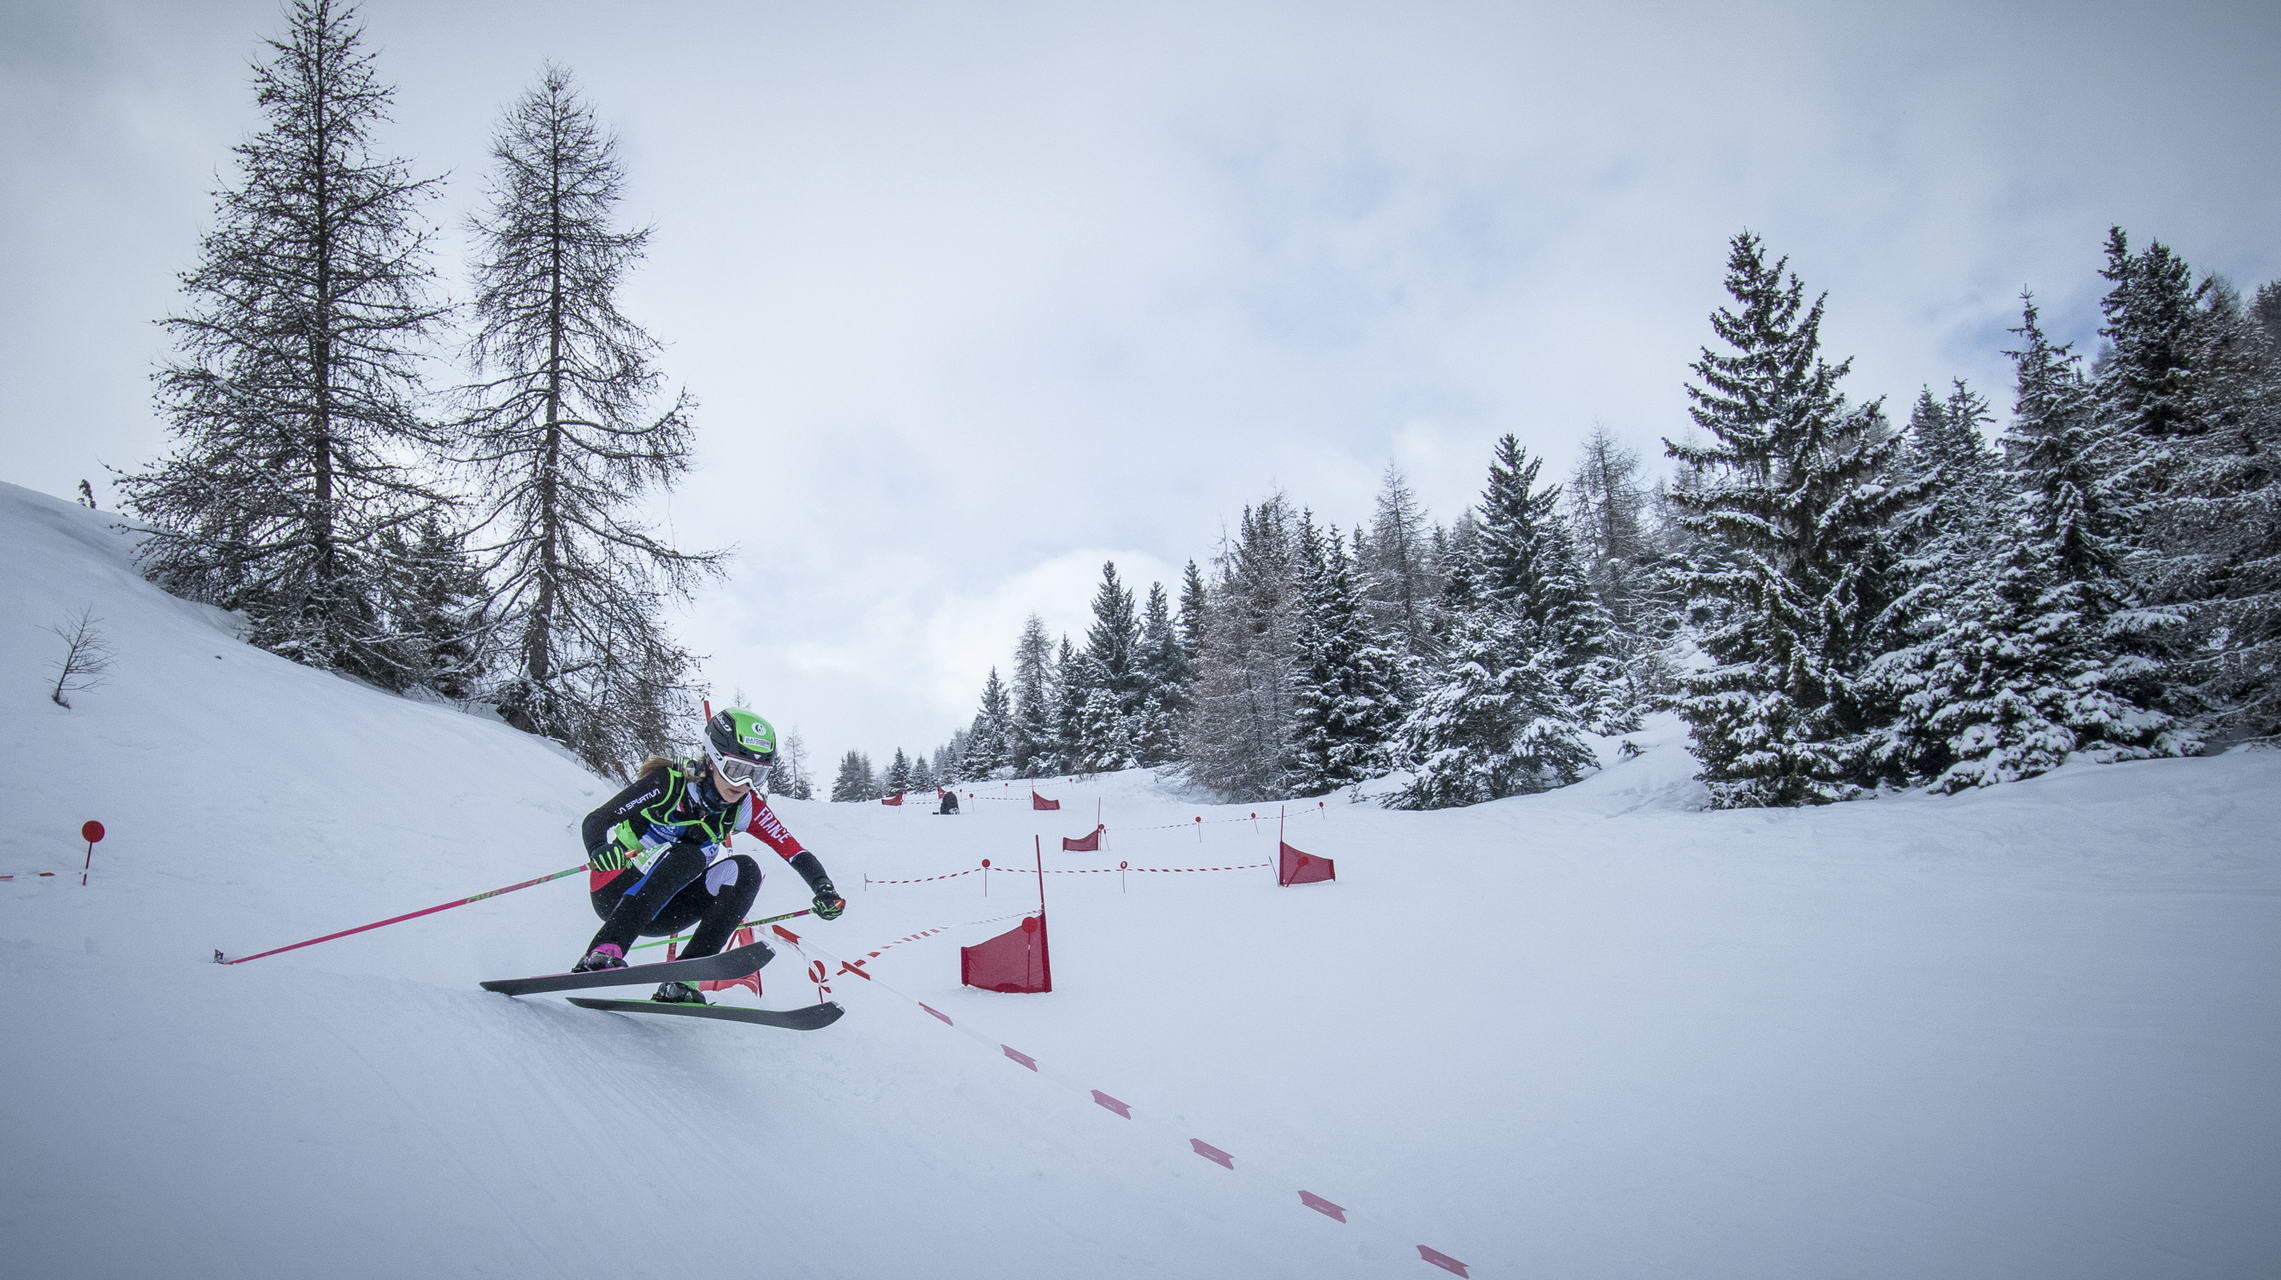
pixel 749 924
pixel 409 915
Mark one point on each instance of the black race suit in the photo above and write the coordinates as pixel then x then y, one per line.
pixel 672 826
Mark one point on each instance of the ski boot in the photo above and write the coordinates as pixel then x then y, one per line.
pixel 678 993
pixel 607 956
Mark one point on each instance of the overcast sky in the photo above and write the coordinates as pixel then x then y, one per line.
pixel 977 296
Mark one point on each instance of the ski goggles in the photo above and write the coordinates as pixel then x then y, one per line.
pixel 744 773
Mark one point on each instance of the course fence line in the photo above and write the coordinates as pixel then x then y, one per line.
pixel 1121 869
pixel 1320 810
pixel 819 971
pixel 855 966
pixel 951 875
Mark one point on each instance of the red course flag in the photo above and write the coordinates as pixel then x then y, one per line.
pixel 1303 868
pixel 1014 961
pixel 743 938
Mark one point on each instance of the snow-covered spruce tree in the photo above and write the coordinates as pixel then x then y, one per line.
pixel 1982 687
pixel 923 776
pixel 1188 629
pixel 438 600
pixel 2265 312
pixel 1951 536
pixel 2145 378
pixel 293 403
pixel 1526 567
pixel 564 435
pixel 1493 723
pixel 1495 716
pixel 1239 730
pixel 1104 730
pixel 1947 453
pixel 985 753
pixel 898 779
pixel 2154 413
pixel 1070 691
pixel 1193 601
pixel 2150 393
pixel 854 783
pixel 950 760
pixel 2064 456
pixel 2227 514
pixel 1165 678
pixel 1030 733
pixel 1794 575
pixel 2026 655
pixel 1112 652
pixel 1456 551
pixel 1349 701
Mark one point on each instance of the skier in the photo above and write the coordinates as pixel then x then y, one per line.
pixel 656 852
pixel 949 801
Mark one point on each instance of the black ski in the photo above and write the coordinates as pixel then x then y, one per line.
pixel 733 963
pixel 806 1018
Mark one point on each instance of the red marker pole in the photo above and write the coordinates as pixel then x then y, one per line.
pixel 1045 948
pixel 91 833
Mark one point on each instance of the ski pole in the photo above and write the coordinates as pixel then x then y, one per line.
pixel 409 915
pixel 749 924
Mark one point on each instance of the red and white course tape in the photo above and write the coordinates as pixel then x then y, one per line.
pixel 819 973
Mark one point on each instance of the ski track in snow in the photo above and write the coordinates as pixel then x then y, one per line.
pixel 2030 1031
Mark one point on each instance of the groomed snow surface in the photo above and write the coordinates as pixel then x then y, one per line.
pixel 2030 1032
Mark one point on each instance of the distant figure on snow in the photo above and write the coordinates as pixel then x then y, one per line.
pixel 949 801
pixel 656 856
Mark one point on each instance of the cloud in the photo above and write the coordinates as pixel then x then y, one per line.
pixel 900 657
pixel 964 291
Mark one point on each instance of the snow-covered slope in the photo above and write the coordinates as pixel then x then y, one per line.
pixel 2028 1032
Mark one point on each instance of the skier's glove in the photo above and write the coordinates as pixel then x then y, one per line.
pixel 829 904
pixel 608 858
pixel 640 849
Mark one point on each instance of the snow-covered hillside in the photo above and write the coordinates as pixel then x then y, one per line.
pixel 2033 1031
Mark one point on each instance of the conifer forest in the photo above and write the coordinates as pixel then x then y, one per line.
pixel 1839 589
